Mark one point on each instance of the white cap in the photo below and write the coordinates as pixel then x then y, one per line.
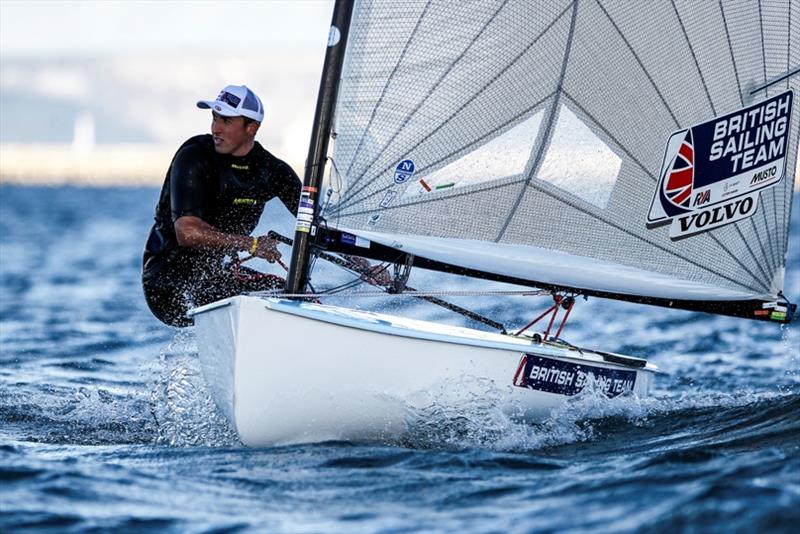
pixel 235 101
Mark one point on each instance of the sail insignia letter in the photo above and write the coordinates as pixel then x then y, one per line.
pixel 404 171
pixel 712 171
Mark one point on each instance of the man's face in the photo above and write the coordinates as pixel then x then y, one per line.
pixel 231 135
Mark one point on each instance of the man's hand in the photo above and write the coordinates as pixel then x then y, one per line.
pixel 268 249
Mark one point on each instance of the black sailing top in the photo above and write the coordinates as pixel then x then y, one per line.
pixel 228 192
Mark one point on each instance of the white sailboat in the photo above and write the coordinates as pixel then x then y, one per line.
pixel 636 151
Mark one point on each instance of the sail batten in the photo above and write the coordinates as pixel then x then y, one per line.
pixel 730 49
pixel 639 62
pixel 694 57
pixel 545 136
pixel 616 132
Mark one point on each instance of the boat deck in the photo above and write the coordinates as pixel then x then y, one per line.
pixel 431 331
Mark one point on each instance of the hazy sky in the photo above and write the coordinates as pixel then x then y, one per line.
pixel 46 28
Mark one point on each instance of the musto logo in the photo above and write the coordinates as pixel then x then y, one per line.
pixel 713 172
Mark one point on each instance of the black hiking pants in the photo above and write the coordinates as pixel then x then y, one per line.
pixel 170 297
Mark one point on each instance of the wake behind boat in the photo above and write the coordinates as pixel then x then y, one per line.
pixel 634 152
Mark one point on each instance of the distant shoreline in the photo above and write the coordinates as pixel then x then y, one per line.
pixel 104 165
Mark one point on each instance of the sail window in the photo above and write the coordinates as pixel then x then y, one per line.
pixel 505 155
pixel 578 162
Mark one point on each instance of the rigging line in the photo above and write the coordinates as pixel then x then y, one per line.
pixel 421 103
pixel 752 254
pixel 342 287
pixel 413 294
pixel 786 232
pixel 789 187
pixel 610 136
pixel 767 257
pixel 546 135
pixel 741 100
pixel 788 48
pixel 766 227
pixel 350 266
pixel 787 212
pixel 783 232
pixel 352 198
pixel 763 48
pixel 764 286
pixel 467 149
pixel 778 229
pixel 787 216
pixel 775 209
pixel 639 61
pixel 730 49
pixel 624 230
pixel 334 188
pixel 773 263
pixel 386 85
pixel 694 57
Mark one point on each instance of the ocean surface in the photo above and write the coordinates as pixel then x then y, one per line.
pixel 106 423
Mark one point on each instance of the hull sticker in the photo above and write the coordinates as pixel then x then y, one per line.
pixel 305 211
pixel 776 311
pixel 567 378
pixel 713 172
pixel 354 240
pixel 387 198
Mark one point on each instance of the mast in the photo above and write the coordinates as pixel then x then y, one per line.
pixel 318 146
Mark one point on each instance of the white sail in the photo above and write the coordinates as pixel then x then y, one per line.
pixel 559 125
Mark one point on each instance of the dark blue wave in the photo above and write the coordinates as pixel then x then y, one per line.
pixel 106 425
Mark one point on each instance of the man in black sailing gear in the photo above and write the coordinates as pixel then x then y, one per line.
pixel 212 199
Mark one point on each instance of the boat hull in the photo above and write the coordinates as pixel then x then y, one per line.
pixel 287 372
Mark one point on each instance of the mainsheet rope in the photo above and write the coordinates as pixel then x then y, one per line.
pixel 369 276
pixel 410 294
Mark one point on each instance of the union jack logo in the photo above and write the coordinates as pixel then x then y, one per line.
pixel 679 181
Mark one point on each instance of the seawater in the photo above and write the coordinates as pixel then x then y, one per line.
pixel 106 423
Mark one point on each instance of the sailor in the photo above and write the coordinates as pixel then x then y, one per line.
pixel 212 199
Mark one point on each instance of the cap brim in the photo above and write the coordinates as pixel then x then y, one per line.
pixel 222 108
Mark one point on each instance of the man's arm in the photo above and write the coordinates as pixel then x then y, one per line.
pixel 194 232
pixel 189 179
